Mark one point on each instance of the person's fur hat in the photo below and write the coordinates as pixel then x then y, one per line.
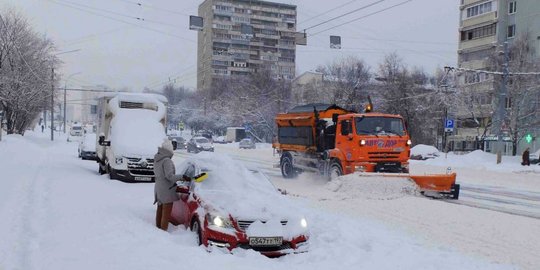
pixel 167 144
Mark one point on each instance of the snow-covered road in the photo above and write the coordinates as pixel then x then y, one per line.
pixel 56 212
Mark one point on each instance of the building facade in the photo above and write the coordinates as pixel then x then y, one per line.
pixel 225 49
pixel 484 27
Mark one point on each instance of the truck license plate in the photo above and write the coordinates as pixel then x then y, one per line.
pixel 140 178
pixel 265 241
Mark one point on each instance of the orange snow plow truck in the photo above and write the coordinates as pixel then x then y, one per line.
pixel 332 141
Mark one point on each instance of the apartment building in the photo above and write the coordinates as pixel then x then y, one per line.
pixel 225 49
pixel 484 26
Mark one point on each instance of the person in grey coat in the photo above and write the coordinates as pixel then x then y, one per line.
pixel 165 186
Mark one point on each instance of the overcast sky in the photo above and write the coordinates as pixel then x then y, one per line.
pixel 119 51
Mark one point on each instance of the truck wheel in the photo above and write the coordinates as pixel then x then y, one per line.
pixel 335 170
pixel 287 168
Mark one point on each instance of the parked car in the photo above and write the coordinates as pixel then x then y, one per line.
pixel 178 142
pixel 220 140
pixel 534 158
pixel 87 147
pixel 235 208
pixel 247 143
pixel 198 144
pixel 76 133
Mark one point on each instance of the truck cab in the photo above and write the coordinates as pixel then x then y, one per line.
pixel 371 142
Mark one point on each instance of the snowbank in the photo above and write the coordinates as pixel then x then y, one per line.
pixel 482 161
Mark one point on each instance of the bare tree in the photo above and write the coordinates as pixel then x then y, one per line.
pixel 345 82
pixel 522 109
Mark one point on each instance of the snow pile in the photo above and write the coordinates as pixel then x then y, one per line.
pixel 372 187
pixel 424 151
pixel 483 161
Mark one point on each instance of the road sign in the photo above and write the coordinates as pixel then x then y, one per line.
pixel 449 125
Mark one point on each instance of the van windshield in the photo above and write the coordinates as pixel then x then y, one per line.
pixel 379 126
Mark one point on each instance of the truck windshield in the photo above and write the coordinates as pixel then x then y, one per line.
pixel 379 126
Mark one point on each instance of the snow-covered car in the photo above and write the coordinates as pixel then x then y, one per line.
pixel 87 147
pixel 423 152
pixel 247 143
pixel 198 144
pixel 220 140
pixel 235 208
pixel 178 142
pixel 534 158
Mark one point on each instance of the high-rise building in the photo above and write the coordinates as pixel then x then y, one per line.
pixel 484 27
pixel 240 37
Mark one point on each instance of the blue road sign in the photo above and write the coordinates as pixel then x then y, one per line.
pixel 449 125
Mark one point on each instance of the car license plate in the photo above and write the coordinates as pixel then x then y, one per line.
pixel 140 178
pixel 265 241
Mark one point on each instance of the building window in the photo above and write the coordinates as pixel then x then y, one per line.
pixel 479 9
pixel 480 32
pixel 512 7
pixel 221 72
pixel 511 31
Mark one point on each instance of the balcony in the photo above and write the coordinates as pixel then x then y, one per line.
pixel 482 19
pixel 476 43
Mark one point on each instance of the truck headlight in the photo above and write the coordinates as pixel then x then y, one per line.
pixel 409 142
pixel 218 221
pixel 119 160
pixel 362 142
pixel 303 222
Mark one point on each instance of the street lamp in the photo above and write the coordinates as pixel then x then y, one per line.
pixel 65 86
pixel 52 91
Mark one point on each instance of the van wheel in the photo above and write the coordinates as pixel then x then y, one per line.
pixel 101 170
pixel 196 228
pixel 287 168
pixel 112 173
pixel 335 170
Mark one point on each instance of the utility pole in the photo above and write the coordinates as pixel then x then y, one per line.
pixel 501 110
pixel 65 85
pixel 52 104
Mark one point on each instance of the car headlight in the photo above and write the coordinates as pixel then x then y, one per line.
pixel 119 160
pixel 303 222
pixel 198 146
pixel 219 221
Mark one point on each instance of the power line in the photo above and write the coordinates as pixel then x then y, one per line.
pixel 122 21
pixel 342 15
pixel 118 13
pixel 365 16
pixel 154 8
pixel 328 11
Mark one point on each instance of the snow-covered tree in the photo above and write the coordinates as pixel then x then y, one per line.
pixel 26 63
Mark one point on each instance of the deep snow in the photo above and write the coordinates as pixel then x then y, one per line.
pixel 58 213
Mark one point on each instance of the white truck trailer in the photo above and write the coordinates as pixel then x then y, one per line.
pixel 130 129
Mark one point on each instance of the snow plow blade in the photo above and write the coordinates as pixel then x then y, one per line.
pixel 430 185
pixel 443 184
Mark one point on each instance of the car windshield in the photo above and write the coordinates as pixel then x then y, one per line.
pixel 76 128
pixel 246 141
pixel 202 140
pixel 369 125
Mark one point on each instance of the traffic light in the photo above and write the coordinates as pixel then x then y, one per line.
pixel 528 138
